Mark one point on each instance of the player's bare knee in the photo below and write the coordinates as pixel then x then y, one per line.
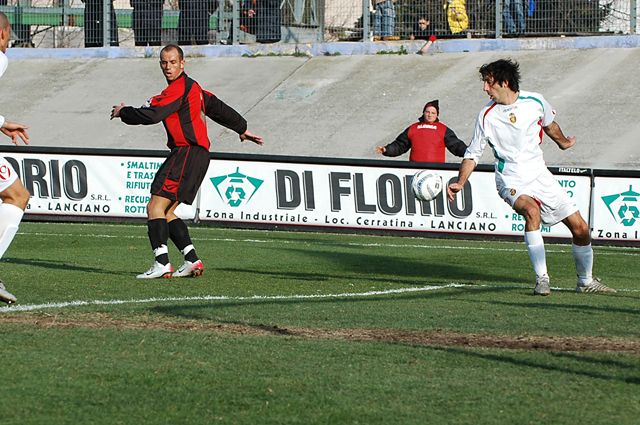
pixel 22 198
pixel 530 212
pixel 580 232
pixel 16 195
pixel 154 210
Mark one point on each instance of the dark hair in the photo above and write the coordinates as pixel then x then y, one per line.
pixel 173 47
pixel 500 71
pixel 433 103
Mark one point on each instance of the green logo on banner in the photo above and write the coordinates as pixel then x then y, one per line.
pixel 624 207
pixel 236 188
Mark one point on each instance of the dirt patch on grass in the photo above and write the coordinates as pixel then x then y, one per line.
pixel 438 338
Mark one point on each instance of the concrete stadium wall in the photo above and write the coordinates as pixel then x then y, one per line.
pixel 335 99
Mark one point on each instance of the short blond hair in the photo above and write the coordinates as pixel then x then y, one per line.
pixel 4 21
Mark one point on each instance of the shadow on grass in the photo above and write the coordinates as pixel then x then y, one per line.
pixel 62 265
pixel 586 370
pixel 203 311
pixel 381 268
pixel 577 308
pixel 433 279
pixel 597 361
pixel 582 364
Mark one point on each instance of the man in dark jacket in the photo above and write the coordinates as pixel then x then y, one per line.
pixel 426 138
pixel 93 23
pixel 147 22
pixel 182 108
pixel 193 22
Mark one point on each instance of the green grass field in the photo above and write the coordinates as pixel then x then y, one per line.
pixel 312 328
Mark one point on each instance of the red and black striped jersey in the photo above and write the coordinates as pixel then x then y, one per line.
pixel 182 108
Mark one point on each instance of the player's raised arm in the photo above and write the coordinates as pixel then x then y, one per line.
pixel 466 168
pixel 554 131
pixel 223 114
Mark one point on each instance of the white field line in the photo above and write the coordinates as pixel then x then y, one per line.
pixel 627 251
pixel 80 303
pixel 160 300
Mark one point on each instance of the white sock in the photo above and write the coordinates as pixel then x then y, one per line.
pixel 583 256
pixel 10 217
pixel 162 249
pixel 535 247
pixel 187 249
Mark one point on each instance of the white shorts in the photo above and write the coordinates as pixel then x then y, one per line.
pixel 7 174
pixel 555 203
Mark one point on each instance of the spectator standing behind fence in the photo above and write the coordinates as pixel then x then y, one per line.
pixel 261 18
pixel 513 16
pixel 93 23
pixel 147 22
pixel 268 21
pixel 426 138
pixel 456 15
pixel 193 22
pixel 384 20
pixel 421 31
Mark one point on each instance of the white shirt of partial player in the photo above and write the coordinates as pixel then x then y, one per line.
pixel 514 132
pixel 4 63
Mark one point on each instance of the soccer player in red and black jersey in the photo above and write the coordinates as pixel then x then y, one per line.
pixel 182 107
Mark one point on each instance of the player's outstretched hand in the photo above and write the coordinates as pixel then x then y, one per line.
pixel 247 135
pixel 452 189
pixel 115 111
pixel 572 141
pixel 15 131
pixel 381 150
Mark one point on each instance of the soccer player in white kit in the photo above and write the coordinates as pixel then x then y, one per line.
pixel 512 124
pixel 13 194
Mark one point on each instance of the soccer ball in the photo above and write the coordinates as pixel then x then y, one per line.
pixel 426 185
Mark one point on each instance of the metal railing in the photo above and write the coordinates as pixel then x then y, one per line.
pixel 90 23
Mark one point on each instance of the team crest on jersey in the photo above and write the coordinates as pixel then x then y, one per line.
pixel 5 173
pixel 512 118
pixel 512 192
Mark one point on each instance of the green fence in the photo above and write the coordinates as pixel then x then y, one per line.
pixel 74 17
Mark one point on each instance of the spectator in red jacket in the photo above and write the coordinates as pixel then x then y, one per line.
pixel 426 139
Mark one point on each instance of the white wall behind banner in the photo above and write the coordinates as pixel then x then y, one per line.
pixel 252 190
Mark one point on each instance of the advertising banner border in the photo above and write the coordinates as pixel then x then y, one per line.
pixel 373 169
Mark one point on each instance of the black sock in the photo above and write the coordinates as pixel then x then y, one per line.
pixel 179 234
pixel 158 232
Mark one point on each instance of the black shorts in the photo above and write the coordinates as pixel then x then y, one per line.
pixel 181 174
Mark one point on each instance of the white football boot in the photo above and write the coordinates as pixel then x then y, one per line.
pixel 189 269
pixel 595 286
pixel 542 286
pixel 6 296
pixel 156 271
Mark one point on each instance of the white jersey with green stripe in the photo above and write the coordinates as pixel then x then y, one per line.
pixel 514 132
